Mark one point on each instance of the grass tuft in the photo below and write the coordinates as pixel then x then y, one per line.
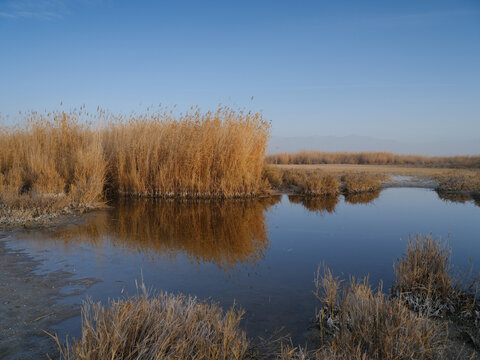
pixel 426 280
pixel 165 326
pixel 360 323
pixel 355 183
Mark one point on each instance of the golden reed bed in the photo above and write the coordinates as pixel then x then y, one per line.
pixel 58 161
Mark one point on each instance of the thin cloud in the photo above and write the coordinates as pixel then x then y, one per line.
pixel 38 9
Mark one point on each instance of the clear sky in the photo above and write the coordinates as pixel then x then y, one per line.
pixel 391 69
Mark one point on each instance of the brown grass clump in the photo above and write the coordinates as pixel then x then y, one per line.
pixel 374 158
pixel 425 268
pixel 165 326
pixel 320 184
pixel 311 183
pixel 426 281
pixel 364 324
pixel 274 176
pixel 355 183
pixel 294 177
pixel 456 181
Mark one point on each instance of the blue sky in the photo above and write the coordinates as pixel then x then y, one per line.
pixel 390 69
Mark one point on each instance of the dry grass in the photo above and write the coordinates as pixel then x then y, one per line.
pixel 165 326
pixel 425 267
pixel 60 160
pixel 55 162
pixel 316 182
pixel 212 154
pixel 273 176
pixel 342 169
pixel 320 185
pixel 356 183
pixel 374 158
pixel 426 280
pixel 360 323
pixel 455 181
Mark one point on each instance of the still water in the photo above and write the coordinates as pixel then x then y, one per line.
pixel 260 254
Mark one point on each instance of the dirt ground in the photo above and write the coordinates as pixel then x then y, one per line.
pixel 30 302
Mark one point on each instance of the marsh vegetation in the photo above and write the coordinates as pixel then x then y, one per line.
pixel 58 161
pixel 354 320
pixel 373 158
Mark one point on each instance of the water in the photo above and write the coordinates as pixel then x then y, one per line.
pixel 260 254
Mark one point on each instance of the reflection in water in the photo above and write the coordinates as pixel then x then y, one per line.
pixel 476 199
pixel 319 204
pixel 457 197
pixel 225 233
pixel 362 198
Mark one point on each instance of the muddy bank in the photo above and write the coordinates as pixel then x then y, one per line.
pixel 15 218
pixel 30 302
pixel 396 181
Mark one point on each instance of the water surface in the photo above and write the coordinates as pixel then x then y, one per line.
pixel 261 254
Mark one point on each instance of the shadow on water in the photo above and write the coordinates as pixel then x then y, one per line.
pixel 362 198
pixel 318 204
pixel 461 198
pixel 225 233
pixel 327 204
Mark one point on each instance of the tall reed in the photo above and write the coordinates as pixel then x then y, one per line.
pixel 59 156
pixel 212 154
pixel 54 157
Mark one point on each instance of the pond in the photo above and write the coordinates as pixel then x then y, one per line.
pixel 261 254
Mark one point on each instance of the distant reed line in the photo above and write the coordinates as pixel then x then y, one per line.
pixel 199 155
pixel 374 158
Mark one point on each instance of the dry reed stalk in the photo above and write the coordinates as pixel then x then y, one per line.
pixel 164 326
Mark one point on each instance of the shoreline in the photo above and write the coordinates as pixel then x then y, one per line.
pixel 65 215
pixel 30 303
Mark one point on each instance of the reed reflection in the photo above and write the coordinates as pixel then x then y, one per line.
pixel 225 233
pixel 362 198
pixel 319 204
pixel 476 199
pixel 457 197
